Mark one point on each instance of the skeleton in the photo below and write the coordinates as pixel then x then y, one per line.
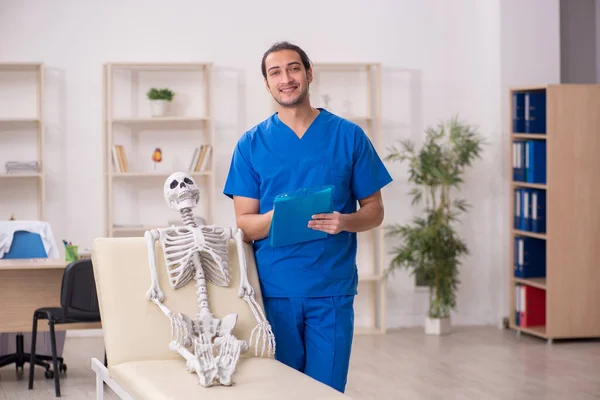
pixel 200 252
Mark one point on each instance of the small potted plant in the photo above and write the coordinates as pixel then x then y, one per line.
pixel 430 245
pixel 159 101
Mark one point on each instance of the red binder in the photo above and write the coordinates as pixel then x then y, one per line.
pixel 533 307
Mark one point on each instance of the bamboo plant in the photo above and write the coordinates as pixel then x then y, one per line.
pixel 430 246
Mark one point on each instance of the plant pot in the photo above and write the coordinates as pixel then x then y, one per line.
pixel 158 108
pixel 437 326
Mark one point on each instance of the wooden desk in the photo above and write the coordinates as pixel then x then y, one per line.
pixel 28 284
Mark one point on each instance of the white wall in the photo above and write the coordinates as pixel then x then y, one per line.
pixel 440 58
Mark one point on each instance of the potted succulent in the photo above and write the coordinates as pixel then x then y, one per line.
pixel 429 245
pixel 159 101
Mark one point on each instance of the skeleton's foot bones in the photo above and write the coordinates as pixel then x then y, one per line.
pixel 204 362
pixel 229 355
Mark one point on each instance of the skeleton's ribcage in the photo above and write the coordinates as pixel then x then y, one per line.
pixel 180 243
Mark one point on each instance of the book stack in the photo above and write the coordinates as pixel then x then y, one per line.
pixel 529 160
pixel 529 112
pixel 530 306
pixel 200 159
pixel 530 210
pixel 119 158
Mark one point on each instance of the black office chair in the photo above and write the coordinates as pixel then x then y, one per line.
pixel 78 303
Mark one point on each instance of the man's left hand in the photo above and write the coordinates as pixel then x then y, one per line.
pixel 331 223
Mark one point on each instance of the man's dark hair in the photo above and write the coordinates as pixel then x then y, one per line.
pixel 285 46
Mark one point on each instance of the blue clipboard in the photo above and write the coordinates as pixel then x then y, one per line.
pixel 293 210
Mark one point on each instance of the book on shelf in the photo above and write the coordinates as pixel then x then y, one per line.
pixel 529 161
pixel 119 158
pixel 530 306
pixel 201 158
pixel 530 210
pixel 529 112
pixel 529 257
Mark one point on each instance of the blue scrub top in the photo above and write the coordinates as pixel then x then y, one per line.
pixel 271 159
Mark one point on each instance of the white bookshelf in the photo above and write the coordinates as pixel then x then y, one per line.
pixel 134 196
pixel 355 94
pixel 21 129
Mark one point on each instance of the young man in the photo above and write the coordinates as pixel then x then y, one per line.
pixel 308 288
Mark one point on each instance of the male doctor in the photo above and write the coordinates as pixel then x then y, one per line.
pixel 308 288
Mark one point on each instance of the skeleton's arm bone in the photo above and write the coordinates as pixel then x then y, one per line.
pixel 154 293
pixel 263 328
pixel 245 287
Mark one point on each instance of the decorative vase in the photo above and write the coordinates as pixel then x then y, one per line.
pixel 437 326
pixel 158 108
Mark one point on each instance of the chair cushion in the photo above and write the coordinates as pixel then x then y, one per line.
pixel 254 378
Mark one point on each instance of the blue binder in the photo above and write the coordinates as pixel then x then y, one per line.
pixel 538 211
pixel 519 159
pixel 518 214
pixel 529 257
pixel 525 218
pixel 535 162
pixel 518 112
pixel 293 210
pixel 535 112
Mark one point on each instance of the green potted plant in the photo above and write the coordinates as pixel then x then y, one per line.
pixel 159 101
pixel 430 246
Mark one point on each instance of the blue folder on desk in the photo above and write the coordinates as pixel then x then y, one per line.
pixel 293 210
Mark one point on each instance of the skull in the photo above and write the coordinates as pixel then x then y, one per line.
pixel 181 191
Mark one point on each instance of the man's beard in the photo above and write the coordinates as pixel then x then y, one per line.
pixel 302 97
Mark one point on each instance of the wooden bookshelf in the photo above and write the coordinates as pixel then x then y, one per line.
pixel 572 234
pixel 32 122
pixel 129 125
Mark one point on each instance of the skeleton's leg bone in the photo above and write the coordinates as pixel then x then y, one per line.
pixel 154 293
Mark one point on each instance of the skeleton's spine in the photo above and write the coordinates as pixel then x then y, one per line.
pixel 188 217
pixel 201 289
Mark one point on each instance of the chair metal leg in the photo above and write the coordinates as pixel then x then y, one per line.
pixel 32 357
pixel 55 360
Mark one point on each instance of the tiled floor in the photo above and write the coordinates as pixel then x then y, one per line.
pixel 472 363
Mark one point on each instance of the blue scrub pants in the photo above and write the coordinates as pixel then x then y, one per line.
pixel 314 335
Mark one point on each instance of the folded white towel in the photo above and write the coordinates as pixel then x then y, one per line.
pixel 8 229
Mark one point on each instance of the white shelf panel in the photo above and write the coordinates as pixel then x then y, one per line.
pixel 175 66
pixel 20 66
pixel 154 174
pixel 146 120
pixel 18 175
pixel 18 120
